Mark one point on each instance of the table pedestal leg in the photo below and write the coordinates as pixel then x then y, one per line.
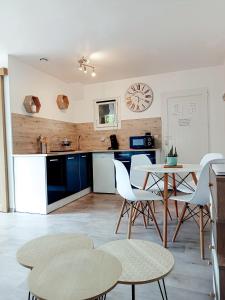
pixel 133 291
pixel 175 193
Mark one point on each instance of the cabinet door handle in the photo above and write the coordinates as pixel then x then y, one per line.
pixel 55 159
pixel 124 161
pixel 69 158
pixel 83 156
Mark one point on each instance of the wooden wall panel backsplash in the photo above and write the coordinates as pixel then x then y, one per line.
pixel 26 131
pixel 91 139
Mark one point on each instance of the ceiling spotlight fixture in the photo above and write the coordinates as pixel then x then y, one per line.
pixel 93 74
pixel 84 65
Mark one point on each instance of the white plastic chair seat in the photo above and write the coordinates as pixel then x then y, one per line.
pixel 201 194
pixel 142 195
pixel 206 159
pixel 155 188
pixel 137 178
pixel 183 198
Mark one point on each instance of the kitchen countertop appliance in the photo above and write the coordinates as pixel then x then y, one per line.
pixel 114 142
pixel 146 141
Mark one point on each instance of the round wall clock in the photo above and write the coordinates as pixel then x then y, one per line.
pixel 139 97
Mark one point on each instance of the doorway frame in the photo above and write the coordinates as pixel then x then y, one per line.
pixel 182 93
pixel 4 192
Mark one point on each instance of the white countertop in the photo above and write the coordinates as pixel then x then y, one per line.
pixel 84 151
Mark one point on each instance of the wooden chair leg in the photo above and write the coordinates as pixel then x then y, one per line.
pixel 201 227
pixel 143 214
pixel 180 221
pixel 176 208
pixel 153 204
pixel 120 216
pixel 135 211
pixel 154 220
pixel 130 220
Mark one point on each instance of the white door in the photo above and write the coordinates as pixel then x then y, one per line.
pixel 185 124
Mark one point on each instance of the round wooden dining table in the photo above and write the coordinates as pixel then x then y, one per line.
pixel 178 175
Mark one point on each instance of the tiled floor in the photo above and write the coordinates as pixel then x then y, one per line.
pixel 96 215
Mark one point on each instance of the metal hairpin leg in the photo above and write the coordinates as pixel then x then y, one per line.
pixel 101 297
pixel 163 291
pixel 28 296
pixel 133 291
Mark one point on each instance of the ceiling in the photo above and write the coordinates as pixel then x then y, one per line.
pixel 123 38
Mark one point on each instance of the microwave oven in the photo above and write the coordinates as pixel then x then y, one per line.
pixel 142 142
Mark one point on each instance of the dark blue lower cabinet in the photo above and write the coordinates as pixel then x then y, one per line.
pixel 125 157
pixel 85 171
pixel 67 175
pixel 72 174
pixel 56 178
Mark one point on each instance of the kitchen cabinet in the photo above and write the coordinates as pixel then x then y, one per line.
pixel 125 157
pixel 104 180
pixel 103 173
pixel 72 174
pixel 44 183
pixel 85 170
pixel 56 178
pixel 67 175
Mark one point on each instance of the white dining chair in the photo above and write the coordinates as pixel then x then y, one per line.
pixel 132 197
pixel 190 186
pixel 137 178
pixel 196 204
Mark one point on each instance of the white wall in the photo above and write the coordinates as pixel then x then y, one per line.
pixel 26 80
pixel 212 78
pixel 3 59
